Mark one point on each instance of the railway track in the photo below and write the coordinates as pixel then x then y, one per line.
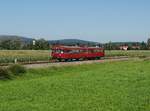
pixel 54 61
pixel 59 64
pixel 42 64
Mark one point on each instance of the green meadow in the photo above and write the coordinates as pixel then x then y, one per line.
pixel 110 86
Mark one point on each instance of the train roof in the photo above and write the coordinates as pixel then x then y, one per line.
pixel 74 48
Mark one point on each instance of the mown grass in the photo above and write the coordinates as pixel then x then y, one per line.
pixel 116 86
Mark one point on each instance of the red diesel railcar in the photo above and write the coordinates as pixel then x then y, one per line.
pixel 64 53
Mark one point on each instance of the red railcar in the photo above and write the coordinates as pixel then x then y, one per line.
pixel 74 52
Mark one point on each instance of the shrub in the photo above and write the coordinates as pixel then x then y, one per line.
pixel 17 69
pixel 142 56
pixel 4 73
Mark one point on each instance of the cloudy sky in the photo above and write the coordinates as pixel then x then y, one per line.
pixel 96 20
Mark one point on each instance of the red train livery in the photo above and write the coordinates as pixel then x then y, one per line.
pixel 64 53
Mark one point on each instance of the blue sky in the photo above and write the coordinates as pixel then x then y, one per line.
pixel 97 20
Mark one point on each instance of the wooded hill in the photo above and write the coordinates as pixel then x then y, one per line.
pixel 19 42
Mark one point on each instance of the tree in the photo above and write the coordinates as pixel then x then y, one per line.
pixel 14 44
pixel 41 44
pixel 148 43
pixel 110 46
pixel 143 46
pixel 6 44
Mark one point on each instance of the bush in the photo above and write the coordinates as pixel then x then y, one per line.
pixel 4 73
pixel 17 69
pixel 142 56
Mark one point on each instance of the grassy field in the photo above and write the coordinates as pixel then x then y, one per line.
pixel 130 53
pixel 7 56
pixel 116 86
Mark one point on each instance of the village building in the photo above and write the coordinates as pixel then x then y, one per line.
pixel 124 47
pixel 136 47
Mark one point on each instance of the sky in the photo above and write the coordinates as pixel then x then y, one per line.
pixel 94 20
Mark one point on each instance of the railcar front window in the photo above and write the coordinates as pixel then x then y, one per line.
pixel 53 51
pixel 58 51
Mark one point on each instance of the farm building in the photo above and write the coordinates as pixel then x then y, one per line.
pixel 136 47
pixel 124 47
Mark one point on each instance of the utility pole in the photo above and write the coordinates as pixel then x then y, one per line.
pixel 110 45
pixel 33 44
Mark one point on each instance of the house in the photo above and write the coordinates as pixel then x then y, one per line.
pixel 136 47
pixel 124 47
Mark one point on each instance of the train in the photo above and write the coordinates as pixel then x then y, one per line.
pixel 69 53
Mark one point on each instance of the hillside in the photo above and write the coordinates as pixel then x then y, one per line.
pixel 127 43
pixel 72 42
pixel 63 41
pixel 13 37
pixel 26 40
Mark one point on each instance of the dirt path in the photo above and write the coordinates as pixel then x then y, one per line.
pixel 58 64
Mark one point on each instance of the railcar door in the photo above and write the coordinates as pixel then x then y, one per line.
pixel 91 54
pixel 75 54
pixel 84 53
pixel 100 53
pixel 95 53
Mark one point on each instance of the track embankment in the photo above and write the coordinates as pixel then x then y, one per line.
pixel 59 64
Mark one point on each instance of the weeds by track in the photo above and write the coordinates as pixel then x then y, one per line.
pixel 59 64
pixel 55 61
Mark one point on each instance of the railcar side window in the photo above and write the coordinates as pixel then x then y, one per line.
pixel 83 51
pixel 101 50
pixel 66 51
pixel 98 50
pixel 90 51
pixel 95 50
pixel 74 51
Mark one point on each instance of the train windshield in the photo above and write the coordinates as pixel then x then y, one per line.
pixel 57 51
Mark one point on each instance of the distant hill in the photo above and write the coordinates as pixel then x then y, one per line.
pixel 125 43
pixel 72 42
pixel 13 37
pixel 26 40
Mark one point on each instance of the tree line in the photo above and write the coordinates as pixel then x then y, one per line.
pixel 131 45
pixel 42 44
pixel 18 44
